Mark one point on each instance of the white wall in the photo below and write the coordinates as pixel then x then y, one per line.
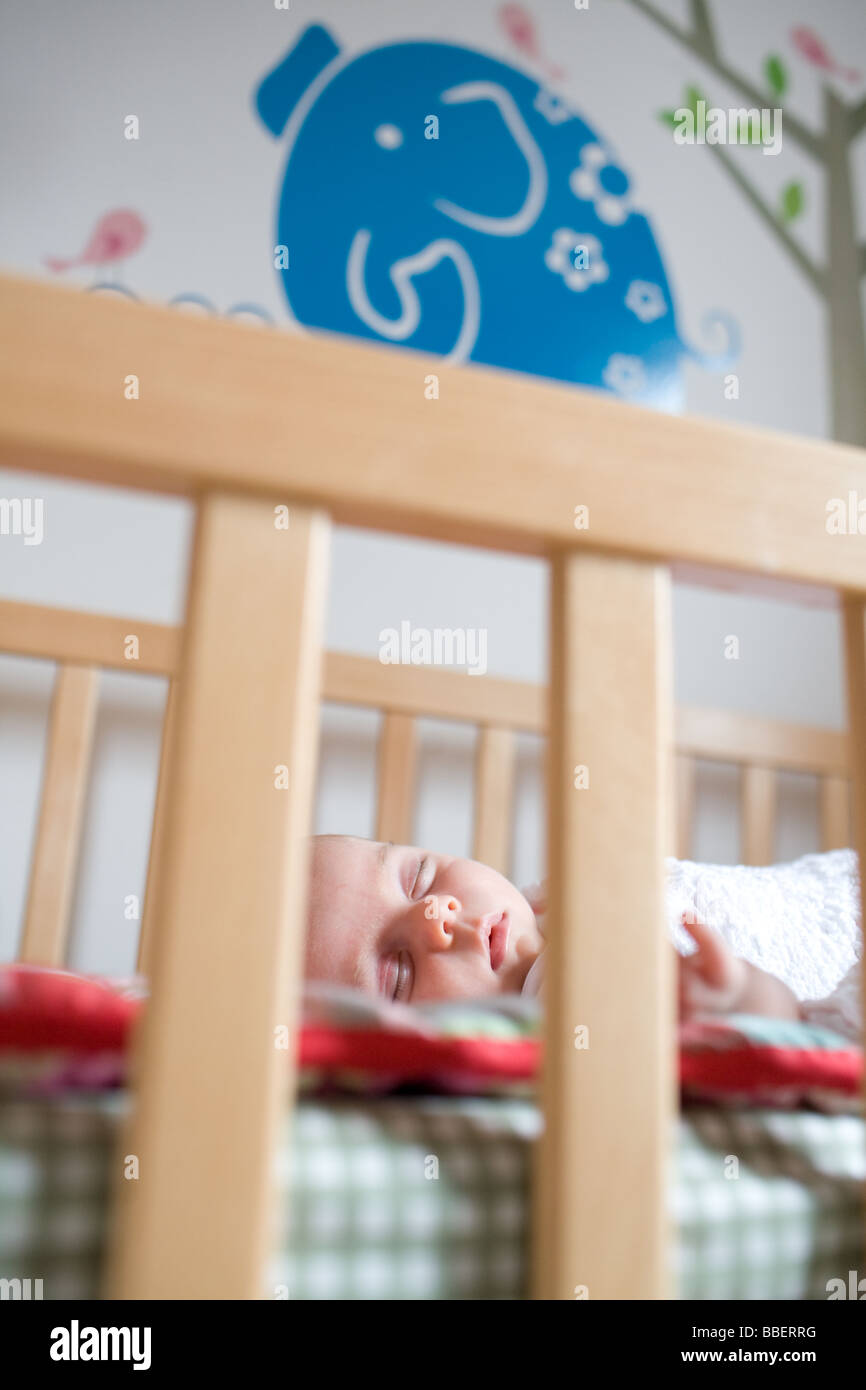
pixel 205 176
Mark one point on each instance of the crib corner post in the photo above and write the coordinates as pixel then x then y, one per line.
pixel 608 1085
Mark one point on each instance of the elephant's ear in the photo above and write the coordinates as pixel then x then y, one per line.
pixel 279 93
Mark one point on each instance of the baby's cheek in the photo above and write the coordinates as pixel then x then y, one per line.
pixel 321 958
pixel 443 977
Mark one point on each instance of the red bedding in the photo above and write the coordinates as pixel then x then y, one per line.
pixel 71 1017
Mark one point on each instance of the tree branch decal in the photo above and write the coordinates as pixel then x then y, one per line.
pixel 837 282
pixel 771 221
pixel 702 29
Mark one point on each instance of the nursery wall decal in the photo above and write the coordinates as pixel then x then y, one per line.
pixel 521 31
pixel 438 198
pixel 116 236
pixel 838 280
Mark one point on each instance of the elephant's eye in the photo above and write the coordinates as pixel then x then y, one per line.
pixel 390 137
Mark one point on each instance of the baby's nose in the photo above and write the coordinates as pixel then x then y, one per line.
pixel 440 913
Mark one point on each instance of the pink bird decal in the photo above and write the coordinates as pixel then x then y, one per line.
pixel 810 47
pixel 116 235
pixel 519 27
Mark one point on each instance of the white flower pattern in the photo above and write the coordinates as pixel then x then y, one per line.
pixel 560 258
pixel 624 374
pixel 552 107
pixel 585 182
pixel 646 300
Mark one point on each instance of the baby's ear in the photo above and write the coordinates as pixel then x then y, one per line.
pixel 711 956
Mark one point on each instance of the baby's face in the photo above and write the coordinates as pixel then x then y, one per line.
pixel 402 923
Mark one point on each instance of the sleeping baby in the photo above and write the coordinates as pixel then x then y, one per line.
pixel 402 923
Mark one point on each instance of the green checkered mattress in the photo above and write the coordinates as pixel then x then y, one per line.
pixel 422 1197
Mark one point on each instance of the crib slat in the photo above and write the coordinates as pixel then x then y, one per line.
pixel 227 942
pixel 600 1185
pixel 494 789
pixel 684 804
pixel 397 750
pixel 757 814
pixel 835 812
pixel 58 838
pixel 157 835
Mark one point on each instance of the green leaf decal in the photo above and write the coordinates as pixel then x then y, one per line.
pixel 776 75
pixel 793 201
pixel 693 96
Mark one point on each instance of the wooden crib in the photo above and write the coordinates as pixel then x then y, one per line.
pixel 246 420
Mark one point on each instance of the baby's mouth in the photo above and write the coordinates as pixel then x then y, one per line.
pixel 498 932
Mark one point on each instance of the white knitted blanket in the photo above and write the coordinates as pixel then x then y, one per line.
pixel 799 921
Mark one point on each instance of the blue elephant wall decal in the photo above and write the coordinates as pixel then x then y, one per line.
pixel 440 199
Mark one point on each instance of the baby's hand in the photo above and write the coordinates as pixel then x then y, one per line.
pixel 713 979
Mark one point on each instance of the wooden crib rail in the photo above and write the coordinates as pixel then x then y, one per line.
pixel 715 735
pixel 835 812
pixel 58 836
pixel 609 1050
pixel 495 759
pixel 397 756
pixel 496 460
pixel 215 1055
